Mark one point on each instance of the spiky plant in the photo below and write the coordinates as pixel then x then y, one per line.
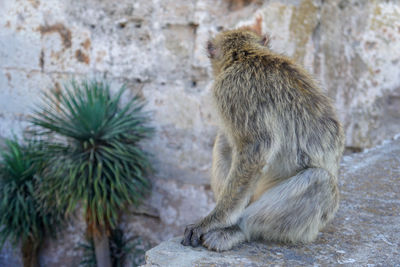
pixel 89 255
pixel 92 142
pixel 21 219
pixel 123 250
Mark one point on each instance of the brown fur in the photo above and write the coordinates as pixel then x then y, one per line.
pixel 276 156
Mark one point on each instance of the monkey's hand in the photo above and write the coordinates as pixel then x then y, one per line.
pixel 192 235
pixel 194 232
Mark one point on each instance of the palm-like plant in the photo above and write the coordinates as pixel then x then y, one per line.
pixel 123 250
pixel 21 219
pixel 92 142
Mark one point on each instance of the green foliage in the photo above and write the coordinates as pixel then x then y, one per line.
pixel 91 141
pixel 89 256
pixel 20 216
pixel 122 250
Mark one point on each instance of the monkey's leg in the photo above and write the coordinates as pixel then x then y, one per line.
pixel 294 210
pixel 222 160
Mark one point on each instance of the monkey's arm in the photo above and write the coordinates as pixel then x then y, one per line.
pixel 234 196
pixel 222 161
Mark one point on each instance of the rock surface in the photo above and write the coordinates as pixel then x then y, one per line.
pixel 365 231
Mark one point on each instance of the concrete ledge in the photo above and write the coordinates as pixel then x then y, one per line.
pixel 365 231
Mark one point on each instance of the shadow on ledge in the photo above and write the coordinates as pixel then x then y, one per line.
pixel 365 231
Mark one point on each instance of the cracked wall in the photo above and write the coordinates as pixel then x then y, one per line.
pixel 157 49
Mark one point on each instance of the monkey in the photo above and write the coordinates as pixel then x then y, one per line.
pixel 277 152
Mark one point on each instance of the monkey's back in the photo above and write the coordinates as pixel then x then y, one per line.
pixel 266 96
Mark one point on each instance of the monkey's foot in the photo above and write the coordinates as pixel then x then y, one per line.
pixel 223 239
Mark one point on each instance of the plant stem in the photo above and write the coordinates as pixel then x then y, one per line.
pixel 102 248
pixel 30 250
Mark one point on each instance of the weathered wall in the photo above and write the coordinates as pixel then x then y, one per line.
pixel 157 48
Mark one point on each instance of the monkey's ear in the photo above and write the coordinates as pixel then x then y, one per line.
pixel 211 50
pixel 265 40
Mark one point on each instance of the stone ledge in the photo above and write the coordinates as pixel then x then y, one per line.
pixel 365 231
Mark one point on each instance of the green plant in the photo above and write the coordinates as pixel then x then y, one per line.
pixel 92 140
pixel 123 250
pixel 21 219
pixel 89 256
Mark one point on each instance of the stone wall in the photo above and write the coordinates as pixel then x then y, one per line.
pixel 156 48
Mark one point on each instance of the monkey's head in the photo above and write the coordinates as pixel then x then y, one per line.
pixel 230 46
